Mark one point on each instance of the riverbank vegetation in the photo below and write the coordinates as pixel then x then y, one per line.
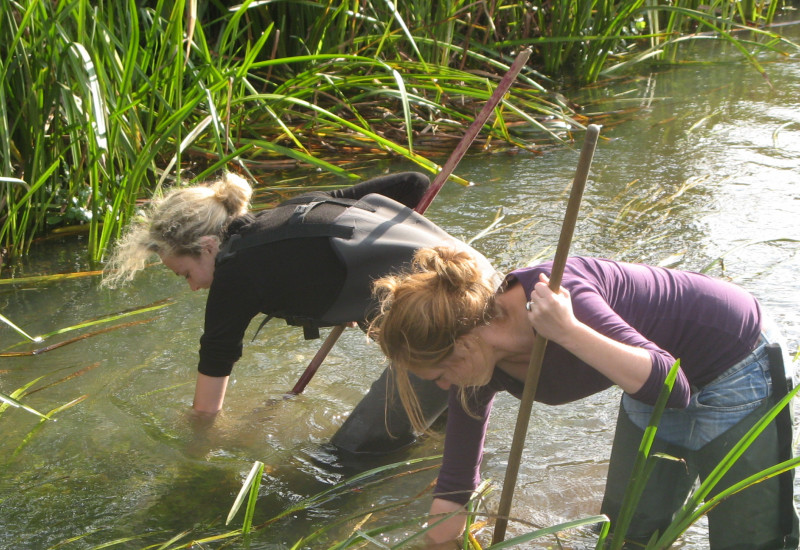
pixel 102 104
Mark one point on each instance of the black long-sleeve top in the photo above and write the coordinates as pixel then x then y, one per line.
pixel 295 277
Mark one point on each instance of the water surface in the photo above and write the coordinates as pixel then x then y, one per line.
pixel 702 173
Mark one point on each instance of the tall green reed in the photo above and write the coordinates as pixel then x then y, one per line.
pixel 102 103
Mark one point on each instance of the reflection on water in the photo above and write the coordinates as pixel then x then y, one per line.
pixel 703 174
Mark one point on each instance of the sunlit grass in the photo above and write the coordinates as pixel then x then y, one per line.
pixel 90 323
pixel 103 104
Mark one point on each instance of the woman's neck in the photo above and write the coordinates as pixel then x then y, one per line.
pixel 510 333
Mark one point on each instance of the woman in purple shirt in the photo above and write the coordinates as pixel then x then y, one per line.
pixel 611 323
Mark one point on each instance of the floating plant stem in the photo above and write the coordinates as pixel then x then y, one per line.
pixel 57 345
pixel 515 541
pixel 99 321
pixel 46 278
pixel 15 403
pixel 41 423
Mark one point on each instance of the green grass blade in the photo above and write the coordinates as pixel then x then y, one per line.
pixel 253 479
pixel 187 141
pixel 684 517
pixel 406 109
pixel 95 97
pixel 69 341
pixel 100 321
pixel 512 542
pixel 15 403
pixel 644 462
pixel 348 484
pixel 5 320
pixel 251 501
pixel 399 18
pixel 49 278
pixel 674 531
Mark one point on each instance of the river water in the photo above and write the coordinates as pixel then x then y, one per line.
pixel 697 170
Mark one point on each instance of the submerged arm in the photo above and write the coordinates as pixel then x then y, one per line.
pixel 209 393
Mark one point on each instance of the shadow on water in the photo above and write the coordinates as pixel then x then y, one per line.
pixel 701 166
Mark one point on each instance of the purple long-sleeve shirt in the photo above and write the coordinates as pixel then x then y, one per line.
pixel 707 323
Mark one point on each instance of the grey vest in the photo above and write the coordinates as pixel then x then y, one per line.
pixel 373 237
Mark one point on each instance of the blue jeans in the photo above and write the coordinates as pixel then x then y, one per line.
pixel 719 405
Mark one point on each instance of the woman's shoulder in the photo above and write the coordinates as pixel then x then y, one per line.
pixel 239 224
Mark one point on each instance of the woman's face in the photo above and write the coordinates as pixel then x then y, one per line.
pixel 470 364
pixel 197 270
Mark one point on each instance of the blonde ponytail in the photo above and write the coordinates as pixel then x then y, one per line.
pixel 175 225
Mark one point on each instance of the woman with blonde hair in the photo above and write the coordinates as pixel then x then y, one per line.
pixel 611 323
pixel 310 260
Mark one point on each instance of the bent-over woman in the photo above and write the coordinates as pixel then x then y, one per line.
pixel 310 260
pixel 611 323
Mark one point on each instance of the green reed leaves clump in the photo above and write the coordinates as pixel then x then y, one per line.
pixel 103 103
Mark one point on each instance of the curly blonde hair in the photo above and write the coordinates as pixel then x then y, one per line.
pixel 175 224
pixel 425 310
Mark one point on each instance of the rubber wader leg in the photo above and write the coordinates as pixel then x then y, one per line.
pixel 666 489
pixel 762 516
pixel 365 430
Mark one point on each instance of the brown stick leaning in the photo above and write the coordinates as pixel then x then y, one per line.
pixel 430 194
pixel 539 345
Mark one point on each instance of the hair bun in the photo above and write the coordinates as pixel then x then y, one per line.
pixel 234 193
pixel 456 270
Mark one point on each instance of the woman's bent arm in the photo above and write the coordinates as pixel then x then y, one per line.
pixel 551 315
pixel 209 393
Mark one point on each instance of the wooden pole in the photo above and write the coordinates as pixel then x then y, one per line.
pixel 540 344
pixel 430 194
pixel 472 132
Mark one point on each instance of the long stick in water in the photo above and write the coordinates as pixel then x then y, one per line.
pixel 430 194
pixel 539 345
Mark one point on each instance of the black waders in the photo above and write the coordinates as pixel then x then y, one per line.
pixel 379 424
pixel 761 517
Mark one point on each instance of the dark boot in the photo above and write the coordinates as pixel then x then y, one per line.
pixel 379 425
pixel 666 489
